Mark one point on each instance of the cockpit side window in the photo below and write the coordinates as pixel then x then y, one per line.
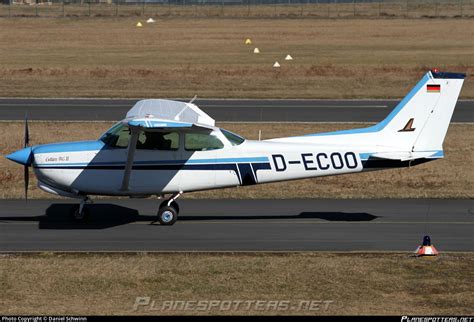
pixel 117 137
pixel 202 142
pixel 233 138
pixel 158 141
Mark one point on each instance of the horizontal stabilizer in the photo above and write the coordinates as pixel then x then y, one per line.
pixel 406 156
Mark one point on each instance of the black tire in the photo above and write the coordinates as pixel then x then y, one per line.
pixel 167 216
pixel 83 217
pixel 174 204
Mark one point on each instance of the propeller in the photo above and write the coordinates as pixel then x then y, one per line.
pixel 26 172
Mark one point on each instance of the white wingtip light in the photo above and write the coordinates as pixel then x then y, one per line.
pixel 288 57
pixel 276 65
pixel 256 51
pixel 150 20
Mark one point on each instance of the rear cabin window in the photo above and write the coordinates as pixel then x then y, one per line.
pixel 233 138
pixel 201 142
pixel 158 141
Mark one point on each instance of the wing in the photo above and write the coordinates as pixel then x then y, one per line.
pixel 170 111
pixel 158 124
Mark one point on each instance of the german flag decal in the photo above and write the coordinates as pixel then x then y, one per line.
pixel 433 88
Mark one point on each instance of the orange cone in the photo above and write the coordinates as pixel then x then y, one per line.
pixel 426 249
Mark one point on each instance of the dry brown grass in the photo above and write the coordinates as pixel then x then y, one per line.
pixel 355 58
pixel 451 177
pixel 357 283
pixel 207 9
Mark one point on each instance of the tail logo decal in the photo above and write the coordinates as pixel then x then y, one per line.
pixel 408 127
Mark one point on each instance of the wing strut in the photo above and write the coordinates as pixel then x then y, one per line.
pixel 132 145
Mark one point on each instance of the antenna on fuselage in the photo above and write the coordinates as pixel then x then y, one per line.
pixel 193 99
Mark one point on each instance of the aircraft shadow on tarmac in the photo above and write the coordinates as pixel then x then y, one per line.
pixel 105 216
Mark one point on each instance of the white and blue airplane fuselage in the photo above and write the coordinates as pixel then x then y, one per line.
pixel 167 147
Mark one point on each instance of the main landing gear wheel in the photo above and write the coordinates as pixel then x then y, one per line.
pixel 174 204
pixel 167 215
pixel 169 209
pixel 80 216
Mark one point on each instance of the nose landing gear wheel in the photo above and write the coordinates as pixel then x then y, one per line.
pixel 167 215
pixel 80 216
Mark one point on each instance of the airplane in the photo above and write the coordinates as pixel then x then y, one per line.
pixel 165 147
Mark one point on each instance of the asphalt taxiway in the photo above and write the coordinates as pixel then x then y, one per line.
pixel 240 225
pixel 234 110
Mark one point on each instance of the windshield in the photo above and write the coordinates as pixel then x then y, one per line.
pixel 233 138
pixel 118 136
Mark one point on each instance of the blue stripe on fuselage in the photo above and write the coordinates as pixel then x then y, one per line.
pixel 79 146
pixel 364 156
pixel 155 162
pixel 83 146
pixel 437 154
pixel 251 168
